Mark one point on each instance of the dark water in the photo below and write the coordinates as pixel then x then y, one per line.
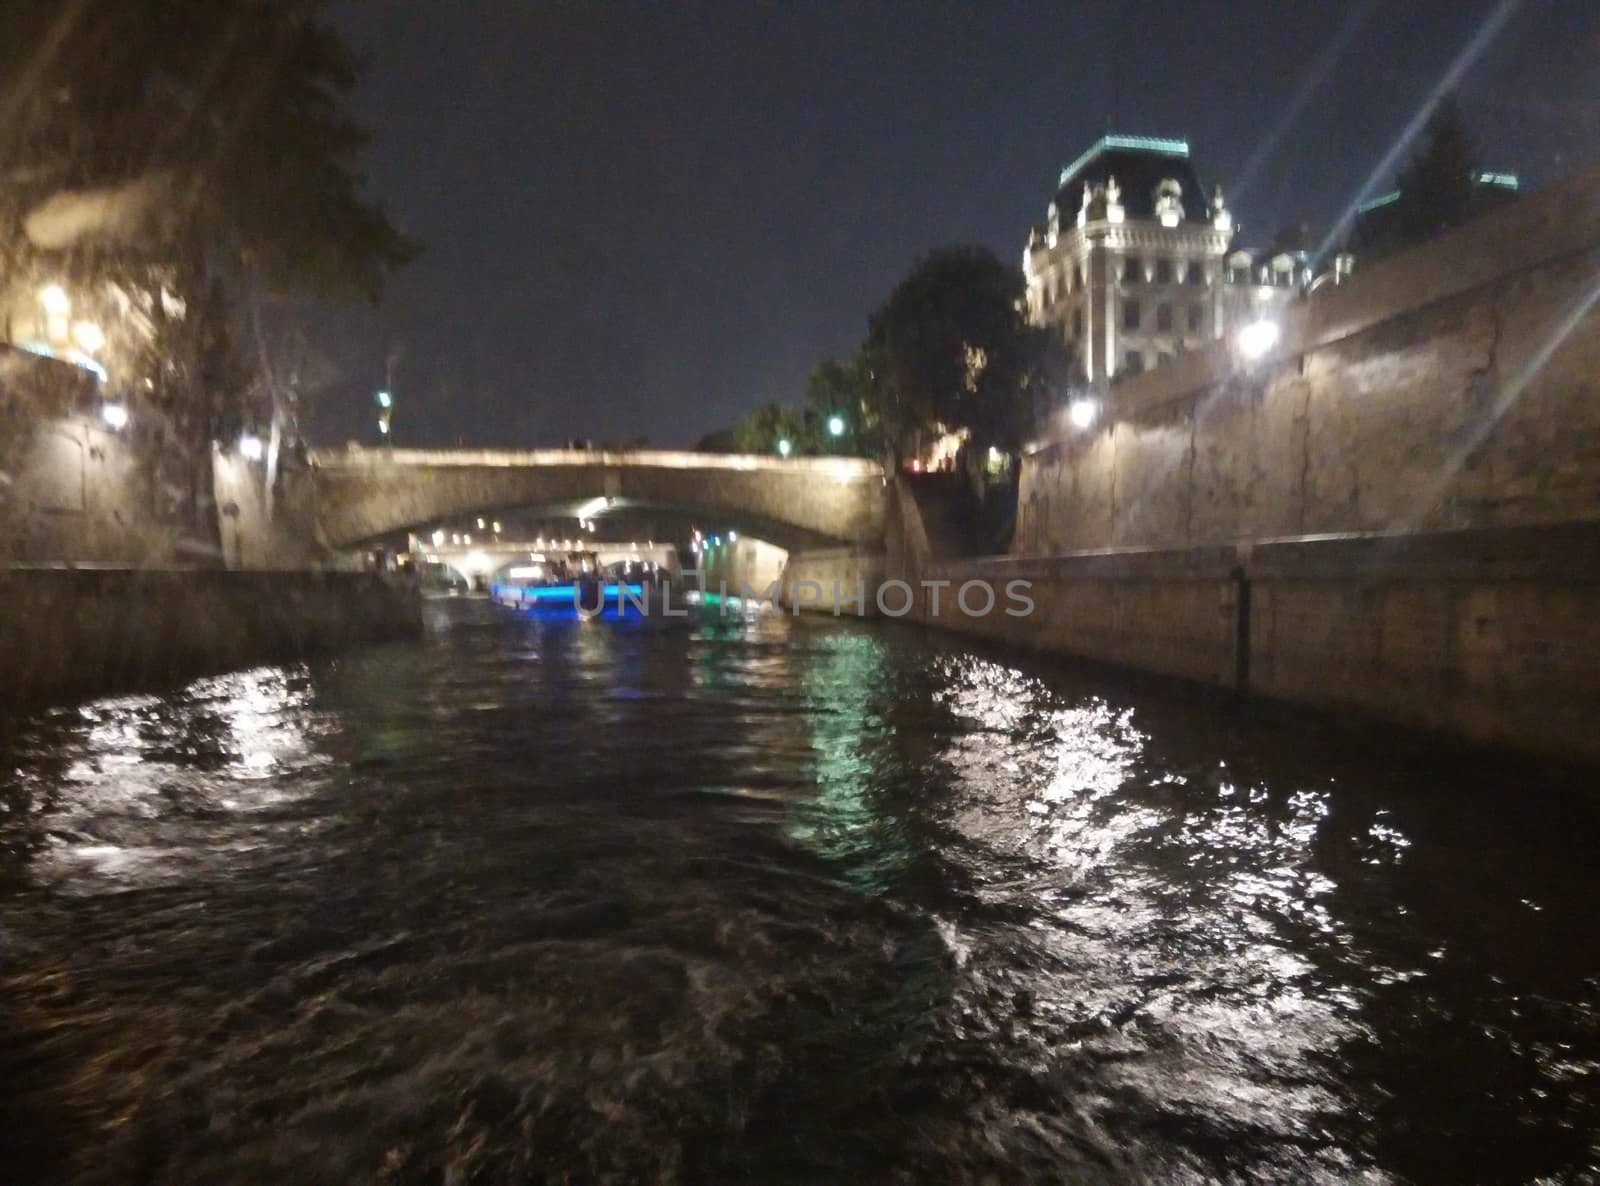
pixel 774 903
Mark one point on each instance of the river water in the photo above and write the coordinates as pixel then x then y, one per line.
pixel 533 900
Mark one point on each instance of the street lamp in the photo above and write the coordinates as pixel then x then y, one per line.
pixel 55 300
pixel 115 416
pixel 1082 412
pixel 89 337
pixel 1255 339
pixel 250 447
pixel 836 426
pixel 785 447
pixel 385 402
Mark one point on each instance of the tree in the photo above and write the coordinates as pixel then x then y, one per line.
pixel 720 440
pixel 952 348
pixel 843 390
pixel 195 155
pixel 220 118
pixel 1436 189
pixel 1436 186
pixel 763 429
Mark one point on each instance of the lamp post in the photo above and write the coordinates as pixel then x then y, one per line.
pixel 385 401
pixel 785 447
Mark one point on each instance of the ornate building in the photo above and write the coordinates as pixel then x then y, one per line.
pixel 1130 263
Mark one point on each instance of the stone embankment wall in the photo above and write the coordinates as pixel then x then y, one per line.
pixel 90 600
pixel 1488 633
pixel 1455 385
pixel 1395 515
pixel 834 581
pixel 70 488
pixel 75 491
pixel 68 634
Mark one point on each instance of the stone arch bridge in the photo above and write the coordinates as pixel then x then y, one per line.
pixel 362 495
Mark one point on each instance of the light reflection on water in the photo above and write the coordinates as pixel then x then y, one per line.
pixel 765 901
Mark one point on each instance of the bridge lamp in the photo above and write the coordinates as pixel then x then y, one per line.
pixel 496 526
pixel 785 447
pixel 383 425
pixel 1081 413
pixel 250 447
pixel 1257 338
pixel 384 399
pixel 438 538
pixel 836 426
pixel 115 416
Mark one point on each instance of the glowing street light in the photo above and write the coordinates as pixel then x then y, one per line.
pixel 55 300
pixel 785 447
pixel 438 537
pixel 89 337
pixel 836 426
pixel 115 416
pixel 385 403
pixel 1083 412
pixel 733 537
pixel 1257 338
pixel 250 447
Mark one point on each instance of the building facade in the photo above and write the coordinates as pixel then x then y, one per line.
pixel 1129 261
pixel 1134 264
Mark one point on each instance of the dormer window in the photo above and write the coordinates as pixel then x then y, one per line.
pixel 1169 203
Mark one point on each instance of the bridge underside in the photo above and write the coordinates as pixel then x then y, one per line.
pixel 366 495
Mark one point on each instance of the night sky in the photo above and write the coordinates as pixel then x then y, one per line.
pixel 644 220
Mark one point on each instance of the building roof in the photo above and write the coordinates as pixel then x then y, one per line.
pixel 1139 164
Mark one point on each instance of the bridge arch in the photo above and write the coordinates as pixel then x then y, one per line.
pixel 362 495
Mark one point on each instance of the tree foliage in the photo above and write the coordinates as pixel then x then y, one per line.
pixel 169 161
pixel 843 389
pixel 762 429
pixel 1436 186
pixel 233 108
pixel 952 347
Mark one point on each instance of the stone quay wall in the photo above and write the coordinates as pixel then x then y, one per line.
pixel 1490 634
pixel 68 634
pixel 1454 385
